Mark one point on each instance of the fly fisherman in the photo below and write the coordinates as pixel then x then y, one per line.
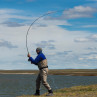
pixel 41 62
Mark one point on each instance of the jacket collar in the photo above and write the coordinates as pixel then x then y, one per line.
pixel 39 52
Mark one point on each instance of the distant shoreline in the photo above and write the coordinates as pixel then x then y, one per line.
pixel 67 72
pixel 17 73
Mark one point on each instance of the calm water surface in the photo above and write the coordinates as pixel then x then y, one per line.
pixel 12 85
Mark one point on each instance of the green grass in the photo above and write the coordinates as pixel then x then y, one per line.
pixel 76 91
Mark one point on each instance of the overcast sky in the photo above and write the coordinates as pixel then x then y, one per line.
pixel 68 37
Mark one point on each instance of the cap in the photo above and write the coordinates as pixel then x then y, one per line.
pixel 39 49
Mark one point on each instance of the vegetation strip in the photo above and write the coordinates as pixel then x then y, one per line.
pixel 73 72
pixel 76 91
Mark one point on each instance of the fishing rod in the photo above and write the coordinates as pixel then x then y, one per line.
pixel 33 24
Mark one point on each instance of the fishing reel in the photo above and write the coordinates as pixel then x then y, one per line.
pixel 29 60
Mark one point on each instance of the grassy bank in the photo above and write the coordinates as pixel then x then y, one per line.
pixel 77 91
pixel 73 72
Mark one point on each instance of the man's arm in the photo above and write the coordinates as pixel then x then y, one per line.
pixel 32 60
pixel 36 61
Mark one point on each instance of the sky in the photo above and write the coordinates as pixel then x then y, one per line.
pixel 68 37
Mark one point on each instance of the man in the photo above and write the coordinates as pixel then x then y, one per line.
pixel 41 62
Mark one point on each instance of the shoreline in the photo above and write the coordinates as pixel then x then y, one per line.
pixel 17 73
pixel 66 72
pixel 49 74
pixel 75 91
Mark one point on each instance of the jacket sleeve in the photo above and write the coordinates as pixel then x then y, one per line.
pixel 36 61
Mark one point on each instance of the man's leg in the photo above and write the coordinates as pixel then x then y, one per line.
pixel 44 74
pixel 38 81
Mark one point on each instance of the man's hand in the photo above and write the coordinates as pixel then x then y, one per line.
pixel 28 55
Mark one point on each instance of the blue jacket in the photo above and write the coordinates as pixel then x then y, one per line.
pixel 39 58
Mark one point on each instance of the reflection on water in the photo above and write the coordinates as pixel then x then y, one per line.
pixel 16 85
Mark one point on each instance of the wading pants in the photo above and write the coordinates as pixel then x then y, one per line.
pixel 42 77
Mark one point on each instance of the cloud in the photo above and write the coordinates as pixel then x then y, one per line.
pixel 89 58
pixel 92 38
pixel 79 12
pixel 63 53
pixel 41 25
pixel 12 24
pixel 53 21
pixel 8 14
pixel 9 11
pixel 7 44
pixel 92 48
pixel 46 44
pixel 81 40
pixel 51 40
pixel 67 51
pixel 91 53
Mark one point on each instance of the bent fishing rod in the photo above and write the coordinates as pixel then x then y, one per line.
pixel 33 24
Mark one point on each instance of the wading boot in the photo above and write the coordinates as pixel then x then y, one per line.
pixel 50 93
pixel 37 93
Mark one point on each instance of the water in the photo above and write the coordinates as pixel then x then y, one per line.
pixel 19 84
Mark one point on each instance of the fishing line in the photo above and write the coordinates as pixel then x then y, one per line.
pixel 28 34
